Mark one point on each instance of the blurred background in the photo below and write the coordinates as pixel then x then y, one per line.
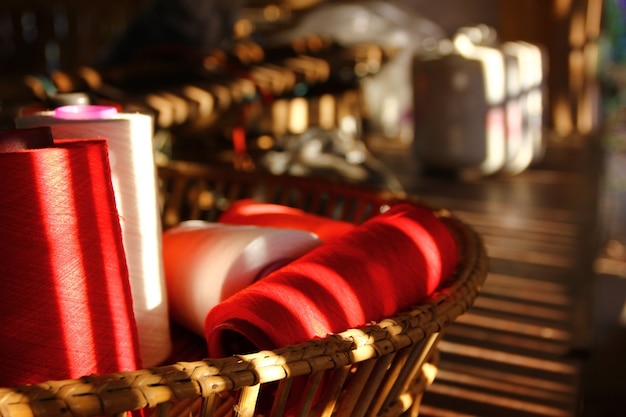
pixel 45 37
pixel 508 111
pixel 509 76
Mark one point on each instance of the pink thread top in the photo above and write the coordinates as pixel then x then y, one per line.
pixel 84 112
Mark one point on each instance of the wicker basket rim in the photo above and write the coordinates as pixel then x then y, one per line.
pixel 99 394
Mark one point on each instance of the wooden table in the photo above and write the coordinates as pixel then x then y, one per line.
pixel 521 350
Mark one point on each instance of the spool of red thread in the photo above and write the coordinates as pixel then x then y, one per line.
pixel 65 298
pixel 382 267
pixel 252 212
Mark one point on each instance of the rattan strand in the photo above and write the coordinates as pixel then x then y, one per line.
pixel 380 369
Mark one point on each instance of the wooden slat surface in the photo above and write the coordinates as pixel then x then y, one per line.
pixel 520 351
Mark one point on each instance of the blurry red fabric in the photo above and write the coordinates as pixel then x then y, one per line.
pixel 252 212
pixel 65 298
pixel 381 267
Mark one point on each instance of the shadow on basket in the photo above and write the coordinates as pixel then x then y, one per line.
pixel 364 347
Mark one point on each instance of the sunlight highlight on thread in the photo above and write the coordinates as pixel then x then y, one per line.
pixel 65 263
pixel 145 174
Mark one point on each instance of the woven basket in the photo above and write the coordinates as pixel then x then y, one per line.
pixel 381 369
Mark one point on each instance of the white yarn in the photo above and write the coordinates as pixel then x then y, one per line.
pixel 206 263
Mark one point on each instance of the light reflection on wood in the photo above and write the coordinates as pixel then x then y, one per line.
pixel 531 257
pixel 535 291
pixel 497 384
pixel 514 326
pixel 204 99
pixel 163 109
pixel 520 283
pixel 505 340
pixel 428 411
pixel 327 109
pixel 495 208
pixel 280 117
pixel 179 105
pixel 524 361
pixel 522 309
pixel 516 379
pixel 546 177
pixel 298 115
pixel 558 228
pixel 499 400
pixel 537 241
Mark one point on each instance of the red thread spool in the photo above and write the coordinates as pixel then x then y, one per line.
pixel 251 212
pixel 383 266
pixel 65 298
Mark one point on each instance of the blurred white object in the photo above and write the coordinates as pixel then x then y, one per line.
pixel 335 154
pixel 205 263
pixel 526 65
pixel 494 71
pixel 459 113
pixel 478 104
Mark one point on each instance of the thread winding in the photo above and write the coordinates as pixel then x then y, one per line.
pixel 65 299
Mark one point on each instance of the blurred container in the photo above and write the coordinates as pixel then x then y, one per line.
pixel 459 98
pixel 387 99
pixel 478 104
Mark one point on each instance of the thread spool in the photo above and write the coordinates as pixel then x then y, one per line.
pixel 381 267
pixel 65 299
pixel 251 212
pixel 206 263
pixel 129 138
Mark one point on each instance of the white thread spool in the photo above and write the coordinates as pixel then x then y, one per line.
pixel 206 263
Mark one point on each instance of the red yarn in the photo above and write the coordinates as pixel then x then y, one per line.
pixel 381 267
pixel 251 212
pixel 65 298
